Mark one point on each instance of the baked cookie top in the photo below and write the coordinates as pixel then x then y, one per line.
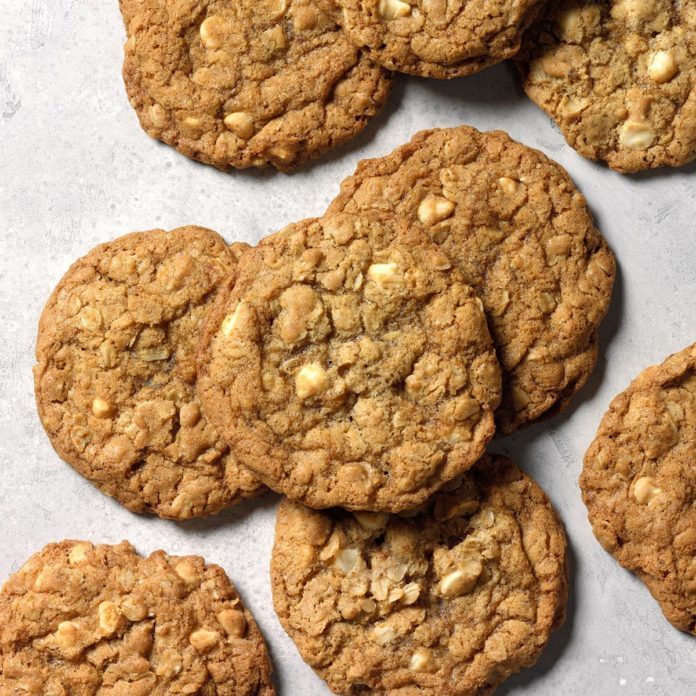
pixel 450 601
pixel 436 38
pixel 514 224
pixel 350 365
pixel 619 78
pixel 85 619
pixel 115 375
pixel 247 83
pixel 639 483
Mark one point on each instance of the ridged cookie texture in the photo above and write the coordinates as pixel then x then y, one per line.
pixel 115 375
pixel 350 365
pixel 248 83
pixel 519 231
pixel 88 619
pixel 639 483
pixel 451 600
pixel 618 77
pixel 436 38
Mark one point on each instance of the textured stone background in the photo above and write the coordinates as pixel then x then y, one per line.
pixel 75 170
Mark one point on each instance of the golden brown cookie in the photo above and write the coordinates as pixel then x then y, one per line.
pixel 639 483
pixel 436 38
pixel 618 77
pixel 350 365
pixel 514 224
pixel 450 601
pixel 85 619
pixel 115 375
pixel 247 83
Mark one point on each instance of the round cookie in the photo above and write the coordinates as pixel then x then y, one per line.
pixel 618 77
pixel 436 38
pixel 115 375
pixel 450 601
pixel 514 224
pixel 85 619
pixel 350 365
pixel 247 83
pixel 639 483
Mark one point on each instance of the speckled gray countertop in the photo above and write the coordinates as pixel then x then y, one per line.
pixel 76 170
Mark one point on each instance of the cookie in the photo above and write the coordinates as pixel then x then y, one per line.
pixel 514 224
pixel 618 78
pixel 639 483
pixel 85 619
pixel 436 38
pixel 450 601
pixel 350 365
pixel 115 375
pixel 247 83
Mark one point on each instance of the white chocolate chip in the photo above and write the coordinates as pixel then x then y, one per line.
pixel 110 618
pixel 204 640
pixel 393 9
pixel 132 610
pixel 311 380
pixel 233 621
pixel 212 32
pixel 421 661
pixel 575 105
pixel 462 580
pixel 241 123
pixel 636 135
pixel 645 490
pixel 186 570
pixel 662 67
pixel 231 321
pixel 102 408
pixel 383 634
pixel 385 275
pixel 509 185
pixel 67 634
pixel 78 553
pixel 434 209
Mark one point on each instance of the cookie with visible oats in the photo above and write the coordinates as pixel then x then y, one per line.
pixel 247 83
pixel 350 365
pixel 436 38
pixel 450 601
pixel 115 375
pixel 618 77
pixel 514 224
pixel 639 483
pixel 85 619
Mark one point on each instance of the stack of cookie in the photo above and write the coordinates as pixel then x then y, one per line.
pixel 251 83
pixel 358 364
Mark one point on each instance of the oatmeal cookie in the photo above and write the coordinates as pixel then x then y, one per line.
pixel 350 365
pixel 247 83
pixel 618 77
pixel 85 619
pixel 115 375
pixel 436 38
pixel 450 601
pixel 514 224
pixel 639 483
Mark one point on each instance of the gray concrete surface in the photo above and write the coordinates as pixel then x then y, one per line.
pixel 75 170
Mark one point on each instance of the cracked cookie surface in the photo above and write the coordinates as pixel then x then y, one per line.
pixel 92 619
pixel 639 483
pixel 514 224
pixel 350 365
pixel 452 600
pixel 247 83
pixel 115 375
pixel 618 77
pixel 436 38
